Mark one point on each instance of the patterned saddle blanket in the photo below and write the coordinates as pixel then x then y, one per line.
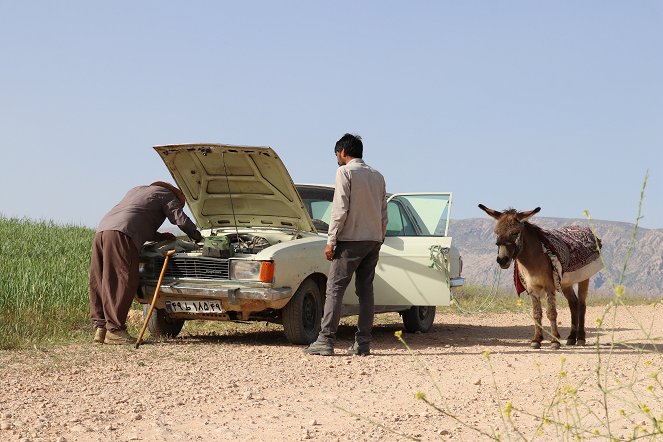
pixel 569 248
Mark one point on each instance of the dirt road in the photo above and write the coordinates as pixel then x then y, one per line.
pixel 250 384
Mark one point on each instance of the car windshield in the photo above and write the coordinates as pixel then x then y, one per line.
pixel 318 202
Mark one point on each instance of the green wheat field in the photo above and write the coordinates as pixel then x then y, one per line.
pixel 43 282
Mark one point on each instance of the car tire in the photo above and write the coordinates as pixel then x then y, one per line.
pixel 419 318
pixel 161 325
pixel 302 315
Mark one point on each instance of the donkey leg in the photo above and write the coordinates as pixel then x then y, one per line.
pixel 537 315
pixel 551 313
pixel 571 297
pixel 583 287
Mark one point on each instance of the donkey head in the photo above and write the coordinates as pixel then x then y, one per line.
pixel 508 230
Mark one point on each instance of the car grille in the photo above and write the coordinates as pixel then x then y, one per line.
pixel 199 267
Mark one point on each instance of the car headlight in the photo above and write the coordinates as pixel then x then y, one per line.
pixel 262 271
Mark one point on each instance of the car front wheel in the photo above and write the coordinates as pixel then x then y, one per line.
pixel 161 325
pixel 419 318
pixel 302 315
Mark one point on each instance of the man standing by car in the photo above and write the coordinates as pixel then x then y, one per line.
pixel 356 231
pixel 114 261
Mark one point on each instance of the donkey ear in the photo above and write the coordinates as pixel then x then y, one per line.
pixel 524 216
pixel 494 213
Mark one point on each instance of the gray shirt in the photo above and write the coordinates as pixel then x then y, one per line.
pixel 142 211
pixel 359 208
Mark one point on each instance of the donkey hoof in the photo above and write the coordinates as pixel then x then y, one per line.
pixel 570 342
pixel 555 345
pixel 580 342
pixel 535 344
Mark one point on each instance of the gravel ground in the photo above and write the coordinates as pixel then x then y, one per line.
pixel 248 383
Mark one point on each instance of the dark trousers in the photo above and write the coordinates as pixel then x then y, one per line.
pixel 113 279
pixel 351 257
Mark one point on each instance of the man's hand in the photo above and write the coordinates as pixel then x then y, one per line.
pixel 196 237
pixel 329 252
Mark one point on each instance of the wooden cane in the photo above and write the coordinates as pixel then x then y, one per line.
pixel 168 254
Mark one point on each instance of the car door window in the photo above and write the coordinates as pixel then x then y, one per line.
pixel 399 223
pixel 428 214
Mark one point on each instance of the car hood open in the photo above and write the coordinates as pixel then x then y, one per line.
pixel 243 186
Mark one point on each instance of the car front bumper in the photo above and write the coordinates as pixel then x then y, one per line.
pixel 244 298
pixel 456 282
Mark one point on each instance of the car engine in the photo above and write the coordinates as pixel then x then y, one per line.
pixel 228 245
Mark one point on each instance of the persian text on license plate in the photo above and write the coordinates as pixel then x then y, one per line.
pixel 194 307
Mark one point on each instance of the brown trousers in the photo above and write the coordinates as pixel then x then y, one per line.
pixel 113 279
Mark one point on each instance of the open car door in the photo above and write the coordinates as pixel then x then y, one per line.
pixel 413 268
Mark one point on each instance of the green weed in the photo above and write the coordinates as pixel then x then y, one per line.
pixel 43 281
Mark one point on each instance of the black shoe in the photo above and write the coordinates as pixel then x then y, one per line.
pixel 320 348
pixel 359 349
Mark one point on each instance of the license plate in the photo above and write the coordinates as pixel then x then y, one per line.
pixel 194 307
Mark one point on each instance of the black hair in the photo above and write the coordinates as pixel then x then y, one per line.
pixel 351 144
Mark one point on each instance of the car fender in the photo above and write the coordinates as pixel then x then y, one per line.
pixel 296 260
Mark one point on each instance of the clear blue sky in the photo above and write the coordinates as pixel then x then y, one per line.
pixel 523 104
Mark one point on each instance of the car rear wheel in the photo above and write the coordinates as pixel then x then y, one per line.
pixel 161 325
pixel 302 315
pixel 419 318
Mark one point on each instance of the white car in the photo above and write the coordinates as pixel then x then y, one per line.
pixel 262 254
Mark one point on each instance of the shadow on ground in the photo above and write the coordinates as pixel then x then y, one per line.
pixel 511 338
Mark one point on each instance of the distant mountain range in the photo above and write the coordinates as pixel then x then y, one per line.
pixel 644 272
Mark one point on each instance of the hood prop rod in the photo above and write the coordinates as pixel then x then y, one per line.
pixel 230 195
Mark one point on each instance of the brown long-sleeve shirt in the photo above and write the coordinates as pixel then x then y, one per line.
pixel 142 211
pixel 359 208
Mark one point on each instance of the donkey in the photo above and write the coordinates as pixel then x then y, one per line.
pixel 548 261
